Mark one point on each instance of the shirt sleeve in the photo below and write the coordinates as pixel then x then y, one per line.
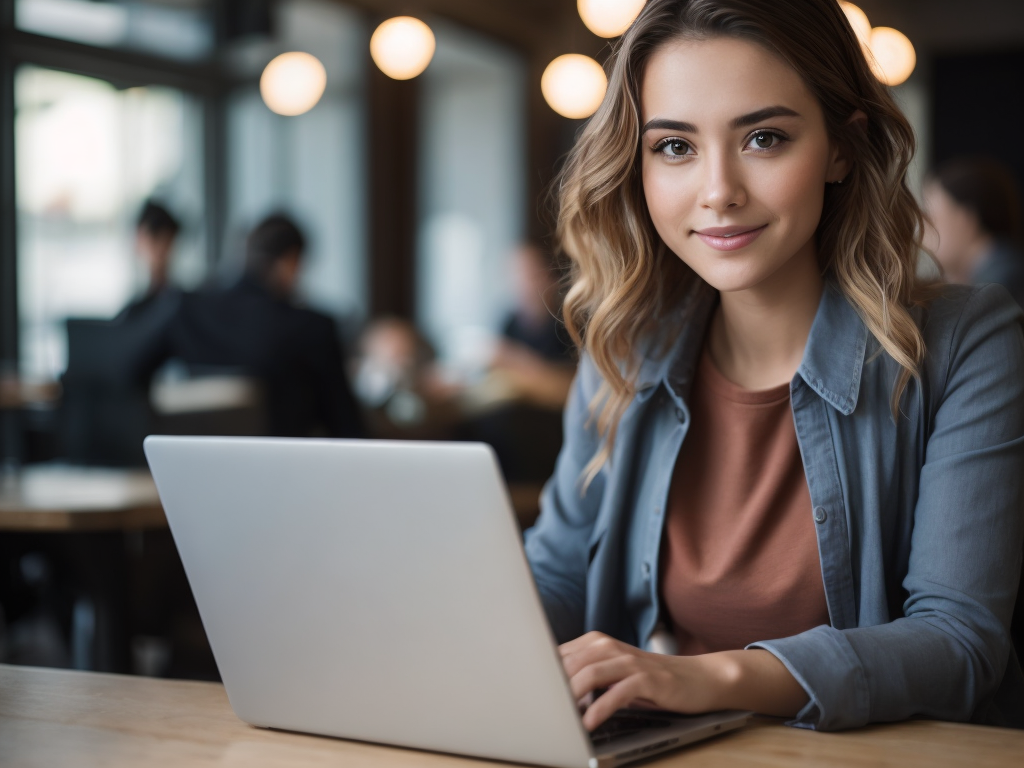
pixel 945 658
pixel 558 546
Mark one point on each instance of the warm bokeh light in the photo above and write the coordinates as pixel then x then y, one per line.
pixel 402 47
pixel 608 18
pixel 888 51
pixel 892 56
pixel 573 85
pixel 293 83
pixel 859 21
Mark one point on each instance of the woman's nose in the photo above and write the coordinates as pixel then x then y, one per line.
pixel 722 186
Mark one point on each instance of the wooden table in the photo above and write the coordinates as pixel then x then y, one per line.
pixel 63 498
pixel 54 718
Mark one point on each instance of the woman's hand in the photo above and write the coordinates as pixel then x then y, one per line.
pixel 752 679
pixel 638 678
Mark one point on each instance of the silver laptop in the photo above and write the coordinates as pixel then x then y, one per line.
pixel 379 591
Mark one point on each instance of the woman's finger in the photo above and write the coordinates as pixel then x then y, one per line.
pixel 615 698
pixel 600 649
pixel 580 642
pixel 602 674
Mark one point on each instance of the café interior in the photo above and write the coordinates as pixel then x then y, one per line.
pixel 408 152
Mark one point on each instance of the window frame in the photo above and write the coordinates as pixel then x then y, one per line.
pixel 206 82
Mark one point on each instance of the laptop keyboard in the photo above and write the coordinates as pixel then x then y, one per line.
pixel 625 723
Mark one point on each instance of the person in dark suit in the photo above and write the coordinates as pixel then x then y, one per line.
pixel 105 409
pixel 255 327
pixel 156 231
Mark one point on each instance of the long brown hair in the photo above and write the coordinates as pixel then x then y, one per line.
pixel 623 277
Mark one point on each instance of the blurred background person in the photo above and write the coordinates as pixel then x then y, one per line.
pixel 517 408
pixel 535 353
pixel 105 410
pixel 975 209
pixel 257 328
pixel 398 382
pixel 156 231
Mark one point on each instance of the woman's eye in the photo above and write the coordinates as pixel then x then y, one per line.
pixel 674 148
pixel 764 140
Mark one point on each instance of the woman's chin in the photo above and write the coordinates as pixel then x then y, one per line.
pixel 733 278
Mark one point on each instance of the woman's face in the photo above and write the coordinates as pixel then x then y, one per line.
pixel 735 161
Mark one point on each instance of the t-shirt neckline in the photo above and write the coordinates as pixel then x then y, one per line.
pixel 708 374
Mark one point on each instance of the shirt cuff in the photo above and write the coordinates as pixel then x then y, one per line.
pixel 828 669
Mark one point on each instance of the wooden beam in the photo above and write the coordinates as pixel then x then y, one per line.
pixel 393 114
pixel 520 23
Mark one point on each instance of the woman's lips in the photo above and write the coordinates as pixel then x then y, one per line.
pixel 729 238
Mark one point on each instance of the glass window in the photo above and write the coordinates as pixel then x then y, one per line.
pixel 472 188
pixel 310 166
pixel 87 156
pixel 177 29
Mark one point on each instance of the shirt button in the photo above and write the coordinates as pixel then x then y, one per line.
pixel 680 415
pixel 820 515
pixel 647 571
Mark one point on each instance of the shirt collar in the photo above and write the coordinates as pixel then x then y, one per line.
pixel 834 355
pixel 832 360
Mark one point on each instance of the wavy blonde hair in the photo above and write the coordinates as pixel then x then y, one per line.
pixel 624 279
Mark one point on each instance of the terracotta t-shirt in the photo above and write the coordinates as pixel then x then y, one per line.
pixel 739 560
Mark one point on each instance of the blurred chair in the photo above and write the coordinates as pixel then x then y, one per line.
pixel 104 412
pixel 109 406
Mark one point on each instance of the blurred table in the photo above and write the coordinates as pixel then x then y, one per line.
pixel 76 518
pixel 21 393
pixel 59 718
pixel 22 401
pixel 64 498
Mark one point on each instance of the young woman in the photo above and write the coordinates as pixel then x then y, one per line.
pixel 782 453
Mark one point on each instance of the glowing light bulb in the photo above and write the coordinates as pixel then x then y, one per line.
pixel 573 85
pixel 402 47
pixel 892 56
pixel 293 83
pixel 859 21
pixel 608 18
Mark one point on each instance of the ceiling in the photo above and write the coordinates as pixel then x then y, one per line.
pixel 553 26
pixel 946 26
pixel 538 27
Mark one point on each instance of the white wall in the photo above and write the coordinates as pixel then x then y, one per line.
pixel 471 185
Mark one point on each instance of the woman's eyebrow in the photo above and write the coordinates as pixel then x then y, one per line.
pixel 742 121
pixel 671 125
pixel 761 115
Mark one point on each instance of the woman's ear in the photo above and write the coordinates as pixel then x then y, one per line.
pixel 840 161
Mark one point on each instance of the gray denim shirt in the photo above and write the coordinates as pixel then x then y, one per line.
pixel 919 520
